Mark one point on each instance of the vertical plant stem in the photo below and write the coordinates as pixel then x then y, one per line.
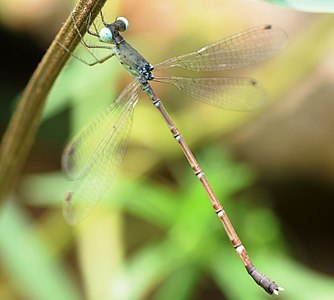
pixel 20 134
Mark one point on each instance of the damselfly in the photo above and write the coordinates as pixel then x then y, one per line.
pixel 92 158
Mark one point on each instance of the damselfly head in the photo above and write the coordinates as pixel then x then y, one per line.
pixel 110 31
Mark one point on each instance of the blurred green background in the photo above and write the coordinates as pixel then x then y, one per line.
pixel 155 236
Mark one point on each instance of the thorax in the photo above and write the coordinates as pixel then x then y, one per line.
pixel 133 61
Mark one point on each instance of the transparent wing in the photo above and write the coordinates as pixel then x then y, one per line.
pixel 237 51
pixel 93 157
pixel 239 93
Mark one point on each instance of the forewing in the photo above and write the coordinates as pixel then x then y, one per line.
pixel 93 157
pixel 237 51
pixel 239 93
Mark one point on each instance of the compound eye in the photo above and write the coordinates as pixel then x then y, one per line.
pixel 105 35
pixel 124 23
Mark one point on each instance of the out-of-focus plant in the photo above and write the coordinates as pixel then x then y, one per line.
pixel 319 6
pixel 187 244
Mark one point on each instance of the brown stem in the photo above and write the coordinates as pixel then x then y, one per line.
pixel 20 134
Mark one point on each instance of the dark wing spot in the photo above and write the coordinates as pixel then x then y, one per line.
pixel 268 27
pixel 253 82
pixel 68 197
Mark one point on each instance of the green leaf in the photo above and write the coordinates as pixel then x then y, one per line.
pixel 37 273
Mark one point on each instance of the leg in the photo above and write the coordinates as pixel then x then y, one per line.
pixel 97 60
pixel 102 18
pixel 91 33
pixel 88 47
pixel 96 33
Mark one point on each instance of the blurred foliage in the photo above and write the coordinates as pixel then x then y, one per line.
pixel 155 235
pixel 188 245
pixel 320 6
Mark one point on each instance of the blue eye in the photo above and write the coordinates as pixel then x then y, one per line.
pixel 125 22
pixel 105 35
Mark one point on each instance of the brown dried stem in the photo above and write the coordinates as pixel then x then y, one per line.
pixel 20 134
